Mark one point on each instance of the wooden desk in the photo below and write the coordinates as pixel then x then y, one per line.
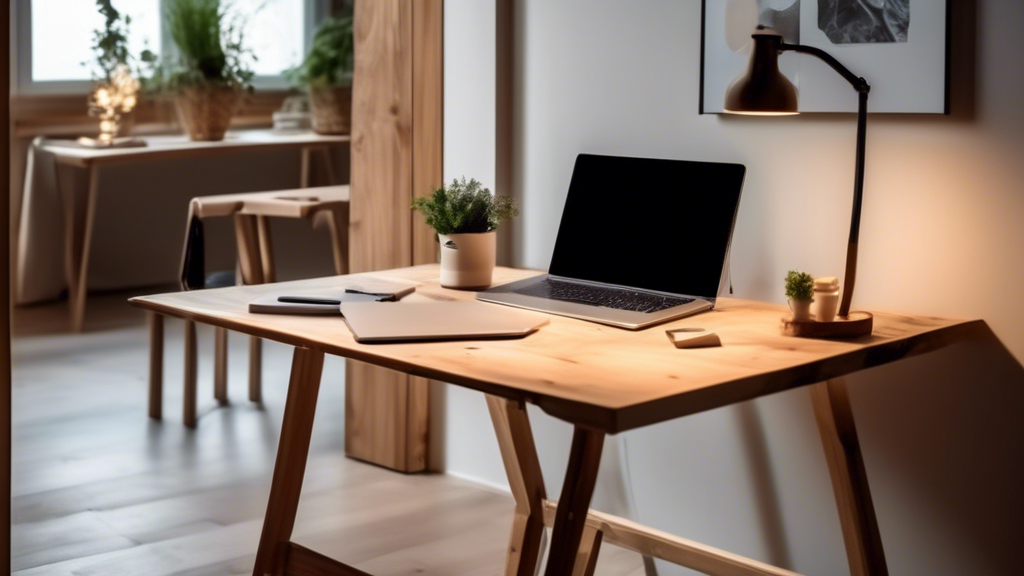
pixel 602 380
pixel 78 219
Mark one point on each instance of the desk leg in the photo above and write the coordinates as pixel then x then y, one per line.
pixel 337 224
pixel 574 503
pixel 188 406
pixel 290 466
pixel 77 241
pixel 220 365
pixel 849 480
pixel 156 365
pixel 304 167
pixel 250 262
pixel 518 452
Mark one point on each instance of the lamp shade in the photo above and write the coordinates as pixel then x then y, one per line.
pixel 762 89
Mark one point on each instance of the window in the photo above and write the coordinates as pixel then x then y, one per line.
pixel 55 55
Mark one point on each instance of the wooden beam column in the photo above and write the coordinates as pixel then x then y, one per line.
pixel 395 155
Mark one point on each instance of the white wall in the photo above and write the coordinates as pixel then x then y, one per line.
pixel 940 235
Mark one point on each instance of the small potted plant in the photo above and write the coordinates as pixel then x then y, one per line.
pixel 326 73
pixel 800 291
pixel 211 70
pixel 465 216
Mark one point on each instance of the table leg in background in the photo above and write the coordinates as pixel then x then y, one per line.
pixel 78 228
pixel 519 454
pixel 834 416
pixel 156 365
pixel 220 365
pixel 290 465
pixel 574 503
pixel 188 416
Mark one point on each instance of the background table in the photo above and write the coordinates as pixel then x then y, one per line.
pixel 598 378
pixel 48 211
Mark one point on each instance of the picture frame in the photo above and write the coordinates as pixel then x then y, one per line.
pixel 901 47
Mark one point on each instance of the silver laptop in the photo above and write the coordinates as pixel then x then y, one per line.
pixel 641 241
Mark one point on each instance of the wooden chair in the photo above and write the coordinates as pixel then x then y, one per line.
pixel 251 213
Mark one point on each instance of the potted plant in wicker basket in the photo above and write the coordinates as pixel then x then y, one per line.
pixel 210 72
pixel 465 216
pixel 326 72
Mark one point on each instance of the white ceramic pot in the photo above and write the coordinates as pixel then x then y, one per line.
pixel 467 260
pixel 801 310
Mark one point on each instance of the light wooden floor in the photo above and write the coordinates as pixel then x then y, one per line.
pixel 100 489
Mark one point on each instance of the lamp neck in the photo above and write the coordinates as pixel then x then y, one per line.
pixel 859 84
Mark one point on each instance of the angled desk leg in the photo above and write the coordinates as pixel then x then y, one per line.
pixel 290 466
pixel 78 228
pixel 574 503
pixel 515 440
pixel 849 479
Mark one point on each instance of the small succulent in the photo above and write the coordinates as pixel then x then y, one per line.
pixel 799 286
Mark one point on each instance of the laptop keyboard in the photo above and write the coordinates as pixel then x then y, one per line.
pixel 617 298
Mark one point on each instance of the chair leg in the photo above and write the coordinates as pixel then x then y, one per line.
pixel 191 373
pixel 156 365
pixel 255 369
pixel 220 365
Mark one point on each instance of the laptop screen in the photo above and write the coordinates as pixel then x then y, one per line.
pixel 660 225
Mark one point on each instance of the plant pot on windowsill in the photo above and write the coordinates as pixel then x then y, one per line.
pixel 206 111
pixel 331 107
pixel 465 216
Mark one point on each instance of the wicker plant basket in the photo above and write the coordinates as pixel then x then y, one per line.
pixel 206 112
pixel 332 109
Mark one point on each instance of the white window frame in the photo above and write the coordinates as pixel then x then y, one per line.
pixel 21 64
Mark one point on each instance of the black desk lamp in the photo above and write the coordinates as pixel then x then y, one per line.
pixel 763 90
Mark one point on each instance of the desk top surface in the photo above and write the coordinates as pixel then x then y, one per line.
pixel 179 145
pixel 587 373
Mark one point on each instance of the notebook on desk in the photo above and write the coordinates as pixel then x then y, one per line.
pixel 436 320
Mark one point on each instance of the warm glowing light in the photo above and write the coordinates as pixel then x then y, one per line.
pixel 746 113
pixel 111 100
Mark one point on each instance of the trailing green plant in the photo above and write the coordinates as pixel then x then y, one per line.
pixel 210 48
pixel 799 286
pixel 331 57
pixel 464 208
pixel 110 44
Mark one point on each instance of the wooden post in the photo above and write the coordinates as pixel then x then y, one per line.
pixel 396 153
pixel 5 309
pixel 156 365
pixel 191 375
pixel 574 503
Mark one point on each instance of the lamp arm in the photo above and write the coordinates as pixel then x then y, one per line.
pixel 859 84
pixel 862 88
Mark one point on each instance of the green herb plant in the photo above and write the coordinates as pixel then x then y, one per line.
pixel 799 286
pixel 331 57
pixel 465 208
pixel 210 49
pixel 110 44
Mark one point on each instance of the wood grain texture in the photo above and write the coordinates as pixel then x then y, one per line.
pixel 586 373
pixel 571 514
pixel 428 118
pixel 290 464
pixel 522 468
pixel 379 428
pixel 834 415
pixel 654 543
pixel 590 547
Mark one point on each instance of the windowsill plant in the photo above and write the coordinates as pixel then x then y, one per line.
pixel 210 71
pixel 326 73
pixel 465 216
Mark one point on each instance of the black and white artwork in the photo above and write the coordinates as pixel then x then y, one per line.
pixel 898 46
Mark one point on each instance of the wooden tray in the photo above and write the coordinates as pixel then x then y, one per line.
pixel 854 325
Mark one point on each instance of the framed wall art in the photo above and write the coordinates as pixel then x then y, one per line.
pixel 899 46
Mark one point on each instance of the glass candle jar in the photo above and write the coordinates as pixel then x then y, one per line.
pixel 826 298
